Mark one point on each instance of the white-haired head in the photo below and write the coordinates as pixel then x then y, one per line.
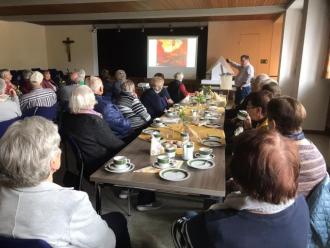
pixel 128 86
pixel 36 79
pixel 120 75
pixel 6 75
pixel 95 83
pixel 157 84
pixel 26 151
pixel 2 86
pixel 179 76
pixel 82 98
pixel 81 75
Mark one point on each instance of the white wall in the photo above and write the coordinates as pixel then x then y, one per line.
pixel 313 89
pixel 23 45
pixel 291 52
pixel 83 50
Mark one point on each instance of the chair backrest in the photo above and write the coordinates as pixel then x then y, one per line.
pixel 5 124
pixel 49 113
pixel 9 242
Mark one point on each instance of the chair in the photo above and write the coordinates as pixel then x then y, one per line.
pixel 49 113
pixel 9 242
pixel 78 156
pixel 5 124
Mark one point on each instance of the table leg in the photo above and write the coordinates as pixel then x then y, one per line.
pixel 129 202
pixel 98 195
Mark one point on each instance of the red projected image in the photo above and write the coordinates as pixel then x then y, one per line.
pixel 172 52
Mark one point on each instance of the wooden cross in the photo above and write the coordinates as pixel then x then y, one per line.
pixel 67 43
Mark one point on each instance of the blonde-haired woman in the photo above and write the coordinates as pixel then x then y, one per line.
pixel 87 127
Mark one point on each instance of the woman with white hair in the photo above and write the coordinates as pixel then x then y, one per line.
pixel 38 96
pixel 9 104
pixel 177 89
pixel 33 207
pixel 6 75
pixel 87 127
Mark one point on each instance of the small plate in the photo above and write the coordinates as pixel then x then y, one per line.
pixel 110 168
pixel 201 163
pixel 156 165
pixel 149 131
pixel 174 174
pixel 214 138
pixel 213 125
pixel 212 143
pixel 197 155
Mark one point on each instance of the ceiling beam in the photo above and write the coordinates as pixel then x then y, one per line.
pixel 8 3
pixel 162 14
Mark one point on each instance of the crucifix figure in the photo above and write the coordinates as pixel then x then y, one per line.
pixel 67 43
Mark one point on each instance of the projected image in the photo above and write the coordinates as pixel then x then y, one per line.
pixel 171 52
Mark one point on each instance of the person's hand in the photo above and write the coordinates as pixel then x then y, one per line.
pixel 12 93
pixel 135 95
pixel 247 123
pixel 170 101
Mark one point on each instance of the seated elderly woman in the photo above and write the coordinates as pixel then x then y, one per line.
pixel 87 127
pixel 131 107
pixel 9 104
pixel 286 115
pixel 177 89
pixel 258 82
pixel 6 75
pixel 257 109
pixel 48 82
pixel 120 77
pixel 155 98
pixel 38 96
pixel 265 213
pixel 33 207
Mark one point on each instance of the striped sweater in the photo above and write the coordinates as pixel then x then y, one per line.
pixel 38 98
pixel 312 166
pixel 133 109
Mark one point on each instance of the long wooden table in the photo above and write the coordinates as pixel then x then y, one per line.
pixel 207 183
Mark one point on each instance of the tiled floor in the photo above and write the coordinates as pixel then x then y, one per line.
pixel 152 229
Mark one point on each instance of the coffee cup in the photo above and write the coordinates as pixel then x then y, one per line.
pixel 163 161
pixel 120 162
pixel 205 152
pixel 157 120
pixel 170 151
pixel 242 115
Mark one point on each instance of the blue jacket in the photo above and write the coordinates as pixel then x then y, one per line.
pixel 154 103
pixel 319 208
pixel 112 115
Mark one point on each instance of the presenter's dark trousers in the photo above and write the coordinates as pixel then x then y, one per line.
pixel 118 224
pixel 241 94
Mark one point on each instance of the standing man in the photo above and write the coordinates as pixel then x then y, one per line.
pixel 243 78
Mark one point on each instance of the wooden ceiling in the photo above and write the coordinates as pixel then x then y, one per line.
pixel 17 10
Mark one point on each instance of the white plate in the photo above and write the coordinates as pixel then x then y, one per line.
pixel 212 143
pixel 213 125
pixel 110 168
pixel 156 165
pixel 148 131
pixel 197 155
pixel 173 174
pixel 201 163
pixel 214 138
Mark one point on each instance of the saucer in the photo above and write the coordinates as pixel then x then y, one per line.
pixel 173 174
pixel 197 155
pixel 201 163
pixel 212 143
pixel 111 168
pixel 157 125
pixel 170 164
pixel 148 131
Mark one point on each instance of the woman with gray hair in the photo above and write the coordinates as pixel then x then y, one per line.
pixel 9 104
pixel 88 128
pixel 33 207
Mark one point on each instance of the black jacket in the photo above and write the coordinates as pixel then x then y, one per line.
pixel 174 91
pixel 94 138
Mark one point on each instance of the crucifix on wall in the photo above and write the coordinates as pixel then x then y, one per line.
pixel 68 43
